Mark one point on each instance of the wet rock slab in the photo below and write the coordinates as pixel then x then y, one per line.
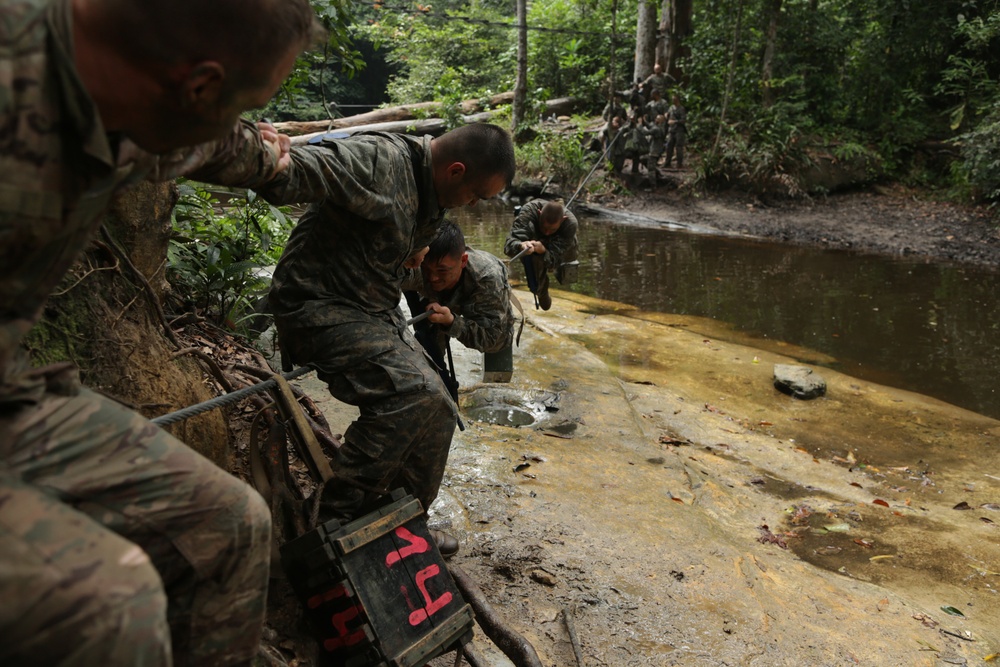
pixel 691 514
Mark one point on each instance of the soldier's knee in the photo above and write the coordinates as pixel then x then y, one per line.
pixel 122 620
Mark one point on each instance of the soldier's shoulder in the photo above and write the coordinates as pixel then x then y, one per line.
pixel 22 24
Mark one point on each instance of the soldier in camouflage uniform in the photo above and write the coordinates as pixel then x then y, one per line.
pixel 548 229
pixel 676 132
pixel 469 294
pixel 119 545
pixel 376 200
pixel 658 81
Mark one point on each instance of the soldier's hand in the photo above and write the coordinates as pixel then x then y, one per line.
pixel 416 259
pixel 527 245
pixel 442 314
pixel 538 248
pixel 279 145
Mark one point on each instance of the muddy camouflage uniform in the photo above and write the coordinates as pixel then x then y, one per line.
pixel 560 247
pixel 335 296
pixel 109 527
pixel 480 302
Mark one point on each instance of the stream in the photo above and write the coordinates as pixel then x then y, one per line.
pixel 925 327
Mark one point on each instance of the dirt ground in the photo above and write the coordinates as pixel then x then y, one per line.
pixel 887 220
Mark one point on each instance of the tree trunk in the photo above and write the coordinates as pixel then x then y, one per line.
pixel 645 40
pixel 730 75
pixel 521 79
pixel 767 73
pixel 105 317
pixel 678 28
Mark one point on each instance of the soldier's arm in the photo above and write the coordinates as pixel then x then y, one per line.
pixel 523 228
pixel 240 159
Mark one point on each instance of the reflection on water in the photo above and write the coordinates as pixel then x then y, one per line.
pixel 928 328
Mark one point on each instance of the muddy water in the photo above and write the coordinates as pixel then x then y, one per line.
pixel 928 328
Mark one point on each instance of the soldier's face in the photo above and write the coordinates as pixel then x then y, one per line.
pixel 550 227
pixel 466 192
pixel 443 274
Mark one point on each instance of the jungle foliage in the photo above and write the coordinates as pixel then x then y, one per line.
pixel 220 255
pixel 880 79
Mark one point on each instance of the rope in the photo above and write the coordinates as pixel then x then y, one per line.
pixel 596 165
pixel 226 399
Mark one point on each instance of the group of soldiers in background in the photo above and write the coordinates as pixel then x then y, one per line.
pixel 651 127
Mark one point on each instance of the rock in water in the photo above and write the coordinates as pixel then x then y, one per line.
pixel 798 381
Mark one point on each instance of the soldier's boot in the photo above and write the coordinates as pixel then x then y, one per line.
pixel 447 544
pixel 544 300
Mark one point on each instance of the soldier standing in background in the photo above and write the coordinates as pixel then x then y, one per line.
pixel 676 132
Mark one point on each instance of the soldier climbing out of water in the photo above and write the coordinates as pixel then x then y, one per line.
pixel 547 230
pixel 469 296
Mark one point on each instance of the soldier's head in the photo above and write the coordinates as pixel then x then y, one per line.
pixel 676 100
pixel 172 73
pixel 656 94
pixel 470 163
pixel 657 68
pixel 446 258
pixel 551 217
pixel 660 119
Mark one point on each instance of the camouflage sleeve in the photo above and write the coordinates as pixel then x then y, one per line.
pixel 523 228
pixel 487 320
pixel 240 160
pixel 557 250
pixel 360 176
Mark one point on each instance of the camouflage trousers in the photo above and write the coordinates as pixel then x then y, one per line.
pixel 407 419
pixel 120 545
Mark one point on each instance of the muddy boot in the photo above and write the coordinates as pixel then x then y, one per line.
pixel 446 543
pixel 544 300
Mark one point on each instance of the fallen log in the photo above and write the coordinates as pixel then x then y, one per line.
pixel 433 126
pixel 402 112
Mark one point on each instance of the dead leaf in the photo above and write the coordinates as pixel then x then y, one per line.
pixel 962 506
pixel 867 544
pixel 879 501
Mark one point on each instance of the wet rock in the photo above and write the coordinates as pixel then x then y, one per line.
pixel 798 381
pixel 543 577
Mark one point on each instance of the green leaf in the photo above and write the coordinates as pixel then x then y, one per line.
pixel 951 611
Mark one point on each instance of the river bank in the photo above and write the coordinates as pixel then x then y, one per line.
pixel 886 220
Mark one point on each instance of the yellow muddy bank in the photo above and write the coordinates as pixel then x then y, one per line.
pixel 640 509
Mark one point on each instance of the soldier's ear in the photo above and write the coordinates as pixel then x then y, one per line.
pixel 465 259
pixel 203 84
pixel 456 169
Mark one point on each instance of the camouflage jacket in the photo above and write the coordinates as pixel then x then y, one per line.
pixel 59 171
pixel 372 204
pixel 676 119
pixel 559 247
pixel 480 302
pixel 657 137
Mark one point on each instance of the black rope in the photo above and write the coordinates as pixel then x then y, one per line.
pixel 226 399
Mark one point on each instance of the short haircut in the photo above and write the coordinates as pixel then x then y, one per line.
pixel 552 211
pixel 450 242
pixel 485 149
pixel 246 36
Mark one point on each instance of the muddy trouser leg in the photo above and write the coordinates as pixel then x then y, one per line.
pixel 111 529
pixel 681 140
pixel 405 426
pixel 670 151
